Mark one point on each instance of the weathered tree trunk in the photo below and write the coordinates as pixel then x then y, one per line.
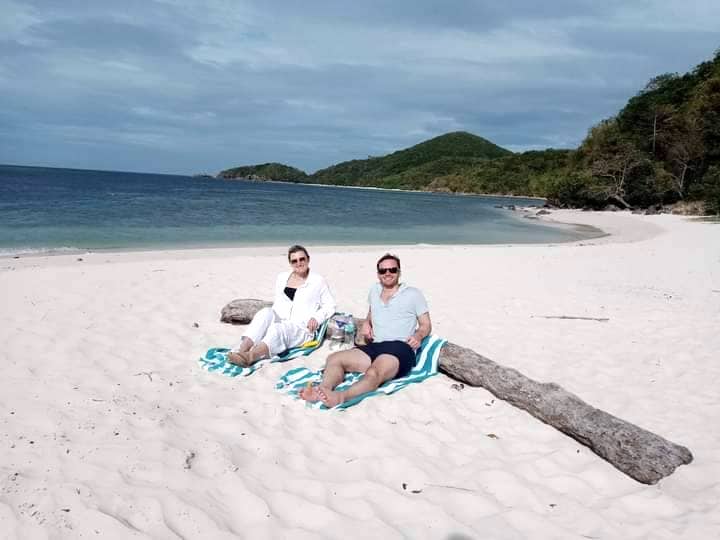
pixel 640 454
pixel 242 310
pixel 617 199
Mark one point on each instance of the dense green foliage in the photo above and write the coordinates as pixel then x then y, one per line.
pixel 528 173
pixel 413 167
pixel 265 171
pixel 662 147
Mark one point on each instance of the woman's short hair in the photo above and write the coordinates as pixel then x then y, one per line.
pixel 295 249
pixel 387 257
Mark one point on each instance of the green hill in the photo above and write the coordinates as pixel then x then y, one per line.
pixel 413 167
pixel 265 171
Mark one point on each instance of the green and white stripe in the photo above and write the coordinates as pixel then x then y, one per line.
pixel 215 359
pixel 426 366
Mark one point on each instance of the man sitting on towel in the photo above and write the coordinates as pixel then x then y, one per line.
pixel 396 324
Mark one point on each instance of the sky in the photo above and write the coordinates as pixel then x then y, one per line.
pixel 187 87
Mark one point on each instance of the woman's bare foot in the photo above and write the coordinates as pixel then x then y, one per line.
pixel 240 355
pixel 240 358
pixel 248 358
pixel 245 345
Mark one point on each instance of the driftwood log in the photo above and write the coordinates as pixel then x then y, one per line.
pixel 242 310
pixel 641 454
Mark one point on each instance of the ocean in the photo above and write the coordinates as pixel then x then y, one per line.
pixel 49 210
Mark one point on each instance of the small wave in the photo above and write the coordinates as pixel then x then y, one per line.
pixel 30 251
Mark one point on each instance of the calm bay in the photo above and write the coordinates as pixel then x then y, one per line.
pixel 47 210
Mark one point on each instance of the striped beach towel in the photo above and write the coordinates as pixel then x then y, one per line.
pixel 426 366
pixel 215 360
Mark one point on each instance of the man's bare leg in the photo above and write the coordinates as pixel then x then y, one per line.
pixel 251 355
pixel 384 368
pixel 337 365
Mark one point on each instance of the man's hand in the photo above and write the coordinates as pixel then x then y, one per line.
pixel 312 325
pixel 414 342
pixel 367 331
pixel 424 329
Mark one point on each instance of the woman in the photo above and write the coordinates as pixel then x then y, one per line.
pixel 302 303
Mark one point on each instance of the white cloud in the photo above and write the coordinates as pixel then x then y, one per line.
pixel 159 115
pixel 313 105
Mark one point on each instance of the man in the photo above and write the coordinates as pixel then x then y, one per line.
pixel 397 322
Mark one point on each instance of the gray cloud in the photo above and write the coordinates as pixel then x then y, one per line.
pixel 187 86
pixel 106 36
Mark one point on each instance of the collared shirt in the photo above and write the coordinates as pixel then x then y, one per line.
pixel 313 300
pixel 396 320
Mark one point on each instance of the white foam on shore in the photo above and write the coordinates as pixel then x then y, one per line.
pixel 32 251
pixel 110 429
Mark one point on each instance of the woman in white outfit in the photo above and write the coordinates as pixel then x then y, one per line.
pixel 302 303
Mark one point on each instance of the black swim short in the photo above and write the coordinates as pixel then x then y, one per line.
pixel 399 349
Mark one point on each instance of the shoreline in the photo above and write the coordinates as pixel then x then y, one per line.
pixel 618 235
pixel 589 232
pixel 454 193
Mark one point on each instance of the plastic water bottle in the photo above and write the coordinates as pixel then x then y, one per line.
pixel 349 338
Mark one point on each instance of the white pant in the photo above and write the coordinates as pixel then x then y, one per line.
pixel 277 334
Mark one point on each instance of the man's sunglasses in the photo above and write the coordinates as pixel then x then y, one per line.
pixel 383 271
pixel 298 260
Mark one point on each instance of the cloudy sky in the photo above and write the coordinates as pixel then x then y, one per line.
pixel 189 86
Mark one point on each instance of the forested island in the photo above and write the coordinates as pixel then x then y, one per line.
pixel 662 147
pixel 266 171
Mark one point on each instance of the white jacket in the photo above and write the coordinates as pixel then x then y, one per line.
pixel 313 300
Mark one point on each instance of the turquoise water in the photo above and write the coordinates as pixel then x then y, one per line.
pixel 50 210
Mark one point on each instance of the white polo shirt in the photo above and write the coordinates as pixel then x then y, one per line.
pixel 396 320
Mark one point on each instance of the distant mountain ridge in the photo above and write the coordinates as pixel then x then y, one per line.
pixel 410 168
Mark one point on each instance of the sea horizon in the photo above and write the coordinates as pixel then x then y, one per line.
pixel 50 210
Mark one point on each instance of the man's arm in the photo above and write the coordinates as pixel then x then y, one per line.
pixel 424 328
pixel 367 329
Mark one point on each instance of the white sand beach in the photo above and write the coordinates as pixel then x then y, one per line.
pixel 110 429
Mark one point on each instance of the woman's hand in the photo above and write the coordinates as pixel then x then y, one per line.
pixel 312 325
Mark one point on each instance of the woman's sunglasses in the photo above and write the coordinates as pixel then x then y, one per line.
pixel 383 271
pixel 298 260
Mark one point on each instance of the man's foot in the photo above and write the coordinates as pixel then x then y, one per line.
pixel 330 398
pixel 311 393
